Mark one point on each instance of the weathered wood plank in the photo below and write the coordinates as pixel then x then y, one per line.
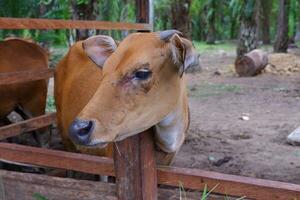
pixel 24 186
pixel 135 167
pixel 27 125
pixel 142 14
pixel 172 176
pixel 127 169
pixel 228 184
pixel 148 165
pixel 25 76
pixel 30 23
pixel 56 159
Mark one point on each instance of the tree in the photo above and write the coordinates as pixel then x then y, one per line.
pixel 235 9
pixel 198 19
pixel 212 7
pixel 263 14
pixel 84 10
pixel 293 18
pixel 247 38
pixel 282 38
pixel 180 16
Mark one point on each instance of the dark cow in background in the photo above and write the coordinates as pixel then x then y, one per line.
pixel 27 99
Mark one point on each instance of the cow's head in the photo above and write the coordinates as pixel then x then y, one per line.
pixel 142 83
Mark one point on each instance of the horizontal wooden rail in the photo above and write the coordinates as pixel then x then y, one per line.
pixel 190 178
pixel 29 185
pixel 30 23
pixel 56 159
pixel 231 185
pixel 8 78
pixel 27 125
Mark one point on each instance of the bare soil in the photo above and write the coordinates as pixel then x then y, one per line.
pixel 219 140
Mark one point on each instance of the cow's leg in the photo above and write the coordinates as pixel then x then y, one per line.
pixel 163 158
pixel 4 122
pixel 42 136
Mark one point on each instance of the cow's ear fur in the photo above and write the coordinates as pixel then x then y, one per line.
pixel 183 53
pixel 98 48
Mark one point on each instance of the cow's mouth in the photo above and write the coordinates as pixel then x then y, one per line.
pixel 96 144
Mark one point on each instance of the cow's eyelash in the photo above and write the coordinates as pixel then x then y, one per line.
pixel 131 72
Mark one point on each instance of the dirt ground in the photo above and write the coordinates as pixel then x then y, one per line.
pixel 219 140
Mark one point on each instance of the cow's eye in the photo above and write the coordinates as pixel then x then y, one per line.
pixel 142 74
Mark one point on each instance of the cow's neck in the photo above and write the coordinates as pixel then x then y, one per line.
pixel 170 132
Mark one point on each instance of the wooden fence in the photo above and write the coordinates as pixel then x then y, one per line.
pixel 143 176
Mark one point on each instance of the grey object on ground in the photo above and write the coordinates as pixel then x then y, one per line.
pixel 294 137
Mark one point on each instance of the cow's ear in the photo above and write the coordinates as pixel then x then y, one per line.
pixel 99 48
pixel 183 53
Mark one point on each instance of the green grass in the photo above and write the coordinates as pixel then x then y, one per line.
pixel 38 196
pixel 205 193
pixel 202 47
pixel 50 106
pixel 205 90
pixel 227 46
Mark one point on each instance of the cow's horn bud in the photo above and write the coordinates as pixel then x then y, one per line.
pixel 166 35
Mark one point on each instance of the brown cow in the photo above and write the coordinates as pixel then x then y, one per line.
pixel 140 85
pixel 28 99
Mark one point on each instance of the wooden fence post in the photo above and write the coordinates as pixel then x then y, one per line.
pixel 135 167
pixel 134 158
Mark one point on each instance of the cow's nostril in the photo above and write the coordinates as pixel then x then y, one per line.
pixel 84 127
pixel 80 130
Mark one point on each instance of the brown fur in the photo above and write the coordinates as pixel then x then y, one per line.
pixel 76 80
pixel 21 55
pixel 109 97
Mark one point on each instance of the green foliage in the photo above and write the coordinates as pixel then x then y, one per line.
pixel 50 107
pixel 235 7
pixel 38 196
pixel 57 9
pixel 248 9
pixel 79 2
pixel 17 8
pixel 162 20
pixel 293 16
pixel 202 47
pixel 220 16
pixel 210 89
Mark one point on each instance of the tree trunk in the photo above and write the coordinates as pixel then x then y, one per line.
pixel 263 20
pixel 247 38
pixel 42 11
pixel 180 16
pixel 84 11
pixel 211 35
pixel 282 38
pixel 293 10
pixel 232 29
pixel 251 63
pixel 297 37
pixel 258 19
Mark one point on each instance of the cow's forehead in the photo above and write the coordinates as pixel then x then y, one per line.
pixel 135 48
pixel 140 41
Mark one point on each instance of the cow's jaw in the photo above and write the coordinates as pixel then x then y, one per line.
pixel 170 132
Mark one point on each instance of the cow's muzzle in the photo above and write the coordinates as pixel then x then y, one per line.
pixel 81 131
